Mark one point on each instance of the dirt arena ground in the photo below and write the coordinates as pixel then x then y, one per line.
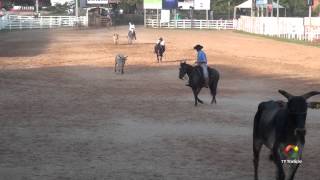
pixel 64 113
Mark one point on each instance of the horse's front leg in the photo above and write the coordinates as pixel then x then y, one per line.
pixel 199 100
pixel 277 161
pixel 115 67
pixel 122 68
pixel 195 94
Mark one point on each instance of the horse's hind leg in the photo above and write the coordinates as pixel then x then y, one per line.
pixel 213 91
pixel 213 100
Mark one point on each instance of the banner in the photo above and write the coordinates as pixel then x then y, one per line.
pixel 201 4
pixel 97 1
pixel 185 4
pixel 169 4
pixel 165 16
pixel 152 4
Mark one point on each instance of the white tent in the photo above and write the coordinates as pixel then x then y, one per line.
pixel 248 5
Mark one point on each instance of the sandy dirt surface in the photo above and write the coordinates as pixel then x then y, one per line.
pixel 64 113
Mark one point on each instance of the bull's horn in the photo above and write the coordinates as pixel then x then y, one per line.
pixel 310 94
pixel 285 94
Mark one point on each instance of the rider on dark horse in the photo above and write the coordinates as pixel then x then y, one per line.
pixel 159 49
pixel 202 62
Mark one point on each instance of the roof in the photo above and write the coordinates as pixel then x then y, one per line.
pixel 248 5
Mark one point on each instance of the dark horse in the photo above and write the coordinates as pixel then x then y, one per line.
pixel 159 50
pixel 196 80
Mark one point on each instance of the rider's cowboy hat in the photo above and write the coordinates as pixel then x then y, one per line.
pixel 198 47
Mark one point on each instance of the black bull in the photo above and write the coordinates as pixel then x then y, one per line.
pixel 278 124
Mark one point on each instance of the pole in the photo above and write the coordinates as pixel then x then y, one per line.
pixel 145 17
pixel 310 10
pixel 277 8
pixel 37 7
pixel 228 9
pixel 207 14
pixel 77 9
pixel 157 18
pixel 252 7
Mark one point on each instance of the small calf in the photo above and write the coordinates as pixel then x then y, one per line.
pixel 120 61
pixel 115 38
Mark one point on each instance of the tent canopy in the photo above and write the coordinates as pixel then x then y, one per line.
pixel 248 5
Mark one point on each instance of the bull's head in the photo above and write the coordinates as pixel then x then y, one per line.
pixel 297 109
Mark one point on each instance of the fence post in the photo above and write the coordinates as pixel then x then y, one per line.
pixel 50 22
pixel 31 23
pixel 20 25
pixel 40 22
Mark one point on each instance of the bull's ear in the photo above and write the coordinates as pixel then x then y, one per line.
pixel 285 94
pixel 314 105
pixel 310 94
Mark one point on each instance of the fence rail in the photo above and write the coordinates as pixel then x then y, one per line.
pixel 30 22
pixel 290 28
pixel 193 24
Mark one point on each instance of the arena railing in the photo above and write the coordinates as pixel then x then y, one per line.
pixel 193 24
pixel 30 22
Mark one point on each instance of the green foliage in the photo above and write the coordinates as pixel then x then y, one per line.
pixel 60 9
pixel 295 7
pixel 316 11
pixel 130 6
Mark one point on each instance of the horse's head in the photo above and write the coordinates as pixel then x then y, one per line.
pixel 182 70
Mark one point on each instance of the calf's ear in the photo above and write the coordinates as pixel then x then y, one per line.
pixel 314 105
pixel 285 94
pixel 310 94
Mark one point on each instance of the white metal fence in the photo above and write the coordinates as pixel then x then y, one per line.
pixel 11 22
pixel 284 27
pixel 190 24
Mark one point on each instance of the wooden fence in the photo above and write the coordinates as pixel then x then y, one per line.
pixel 12 22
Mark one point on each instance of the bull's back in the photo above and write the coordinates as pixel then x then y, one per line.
pixel 264 127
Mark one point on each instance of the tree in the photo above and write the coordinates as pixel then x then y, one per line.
pixel 130 6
